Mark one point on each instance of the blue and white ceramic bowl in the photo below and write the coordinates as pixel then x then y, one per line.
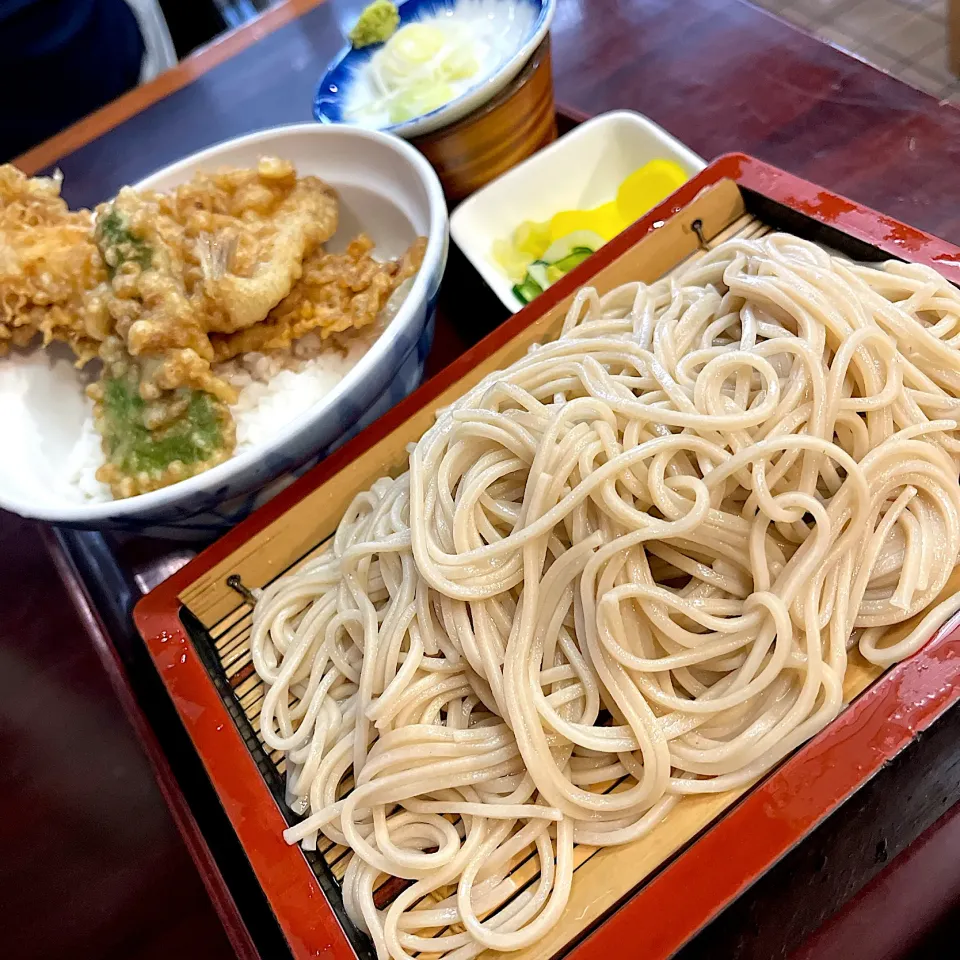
pixel 532 19
pixel 386 189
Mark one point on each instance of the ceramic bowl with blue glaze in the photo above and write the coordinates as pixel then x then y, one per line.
pixel 521 26
pixel 386 189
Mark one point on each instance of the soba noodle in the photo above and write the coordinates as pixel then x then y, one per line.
pixel 626 569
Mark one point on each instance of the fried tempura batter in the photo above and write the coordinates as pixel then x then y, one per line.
pixel 243 235
pixel 147 296
pixel 216 254
pixel 337 293
pixel 247 281
pixel 152 443
pixel 48 266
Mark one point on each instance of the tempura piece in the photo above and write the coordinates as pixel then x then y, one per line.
pixel 149 444
pixel 338 293
pixel 215 254
pixel 49 265
pixel 159 409
pixel 230 197
pixel 245 234
pixel 246 293
pixel 147 296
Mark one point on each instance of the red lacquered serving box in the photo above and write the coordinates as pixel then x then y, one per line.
pixel 195 626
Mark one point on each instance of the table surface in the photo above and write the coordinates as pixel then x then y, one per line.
pixel 91 853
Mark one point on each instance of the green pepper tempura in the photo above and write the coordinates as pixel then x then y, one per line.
pixel 118 245
pixel 150 444
pixel 158 423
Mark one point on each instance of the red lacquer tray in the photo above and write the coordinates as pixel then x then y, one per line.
pixel 194 623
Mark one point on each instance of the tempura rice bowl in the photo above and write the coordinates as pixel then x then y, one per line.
pixel 286 421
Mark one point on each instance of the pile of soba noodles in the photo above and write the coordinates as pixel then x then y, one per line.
pixel 625 569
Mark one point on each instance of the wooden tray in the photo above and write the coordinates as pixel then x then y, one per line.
pixel 196 627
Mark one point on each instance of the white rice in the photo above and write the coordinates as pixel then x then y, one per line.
pixel 268 402
pixel 82 464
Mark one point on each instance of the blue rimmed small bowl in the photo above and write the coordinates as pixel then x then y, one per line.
pixel 329 105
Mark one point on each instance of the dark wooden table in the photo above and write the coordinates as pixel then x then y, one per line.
pixel 92 862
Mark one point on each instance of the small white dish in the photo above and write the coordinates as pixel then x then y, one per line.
pixel 579 171
pixel 387 189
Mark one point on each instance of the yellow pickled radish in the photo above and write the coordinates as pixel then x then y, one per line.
pixel 604 220
pixel 532 238
pixel 637 194
pixel 646 187
pixel 513 262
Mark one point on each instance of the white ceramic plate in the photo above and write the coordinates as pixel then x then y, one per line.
pixel 387 189
pixel 581 170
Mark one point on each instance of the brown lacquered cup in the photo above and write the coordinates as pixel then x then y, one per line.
pixel 516 123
